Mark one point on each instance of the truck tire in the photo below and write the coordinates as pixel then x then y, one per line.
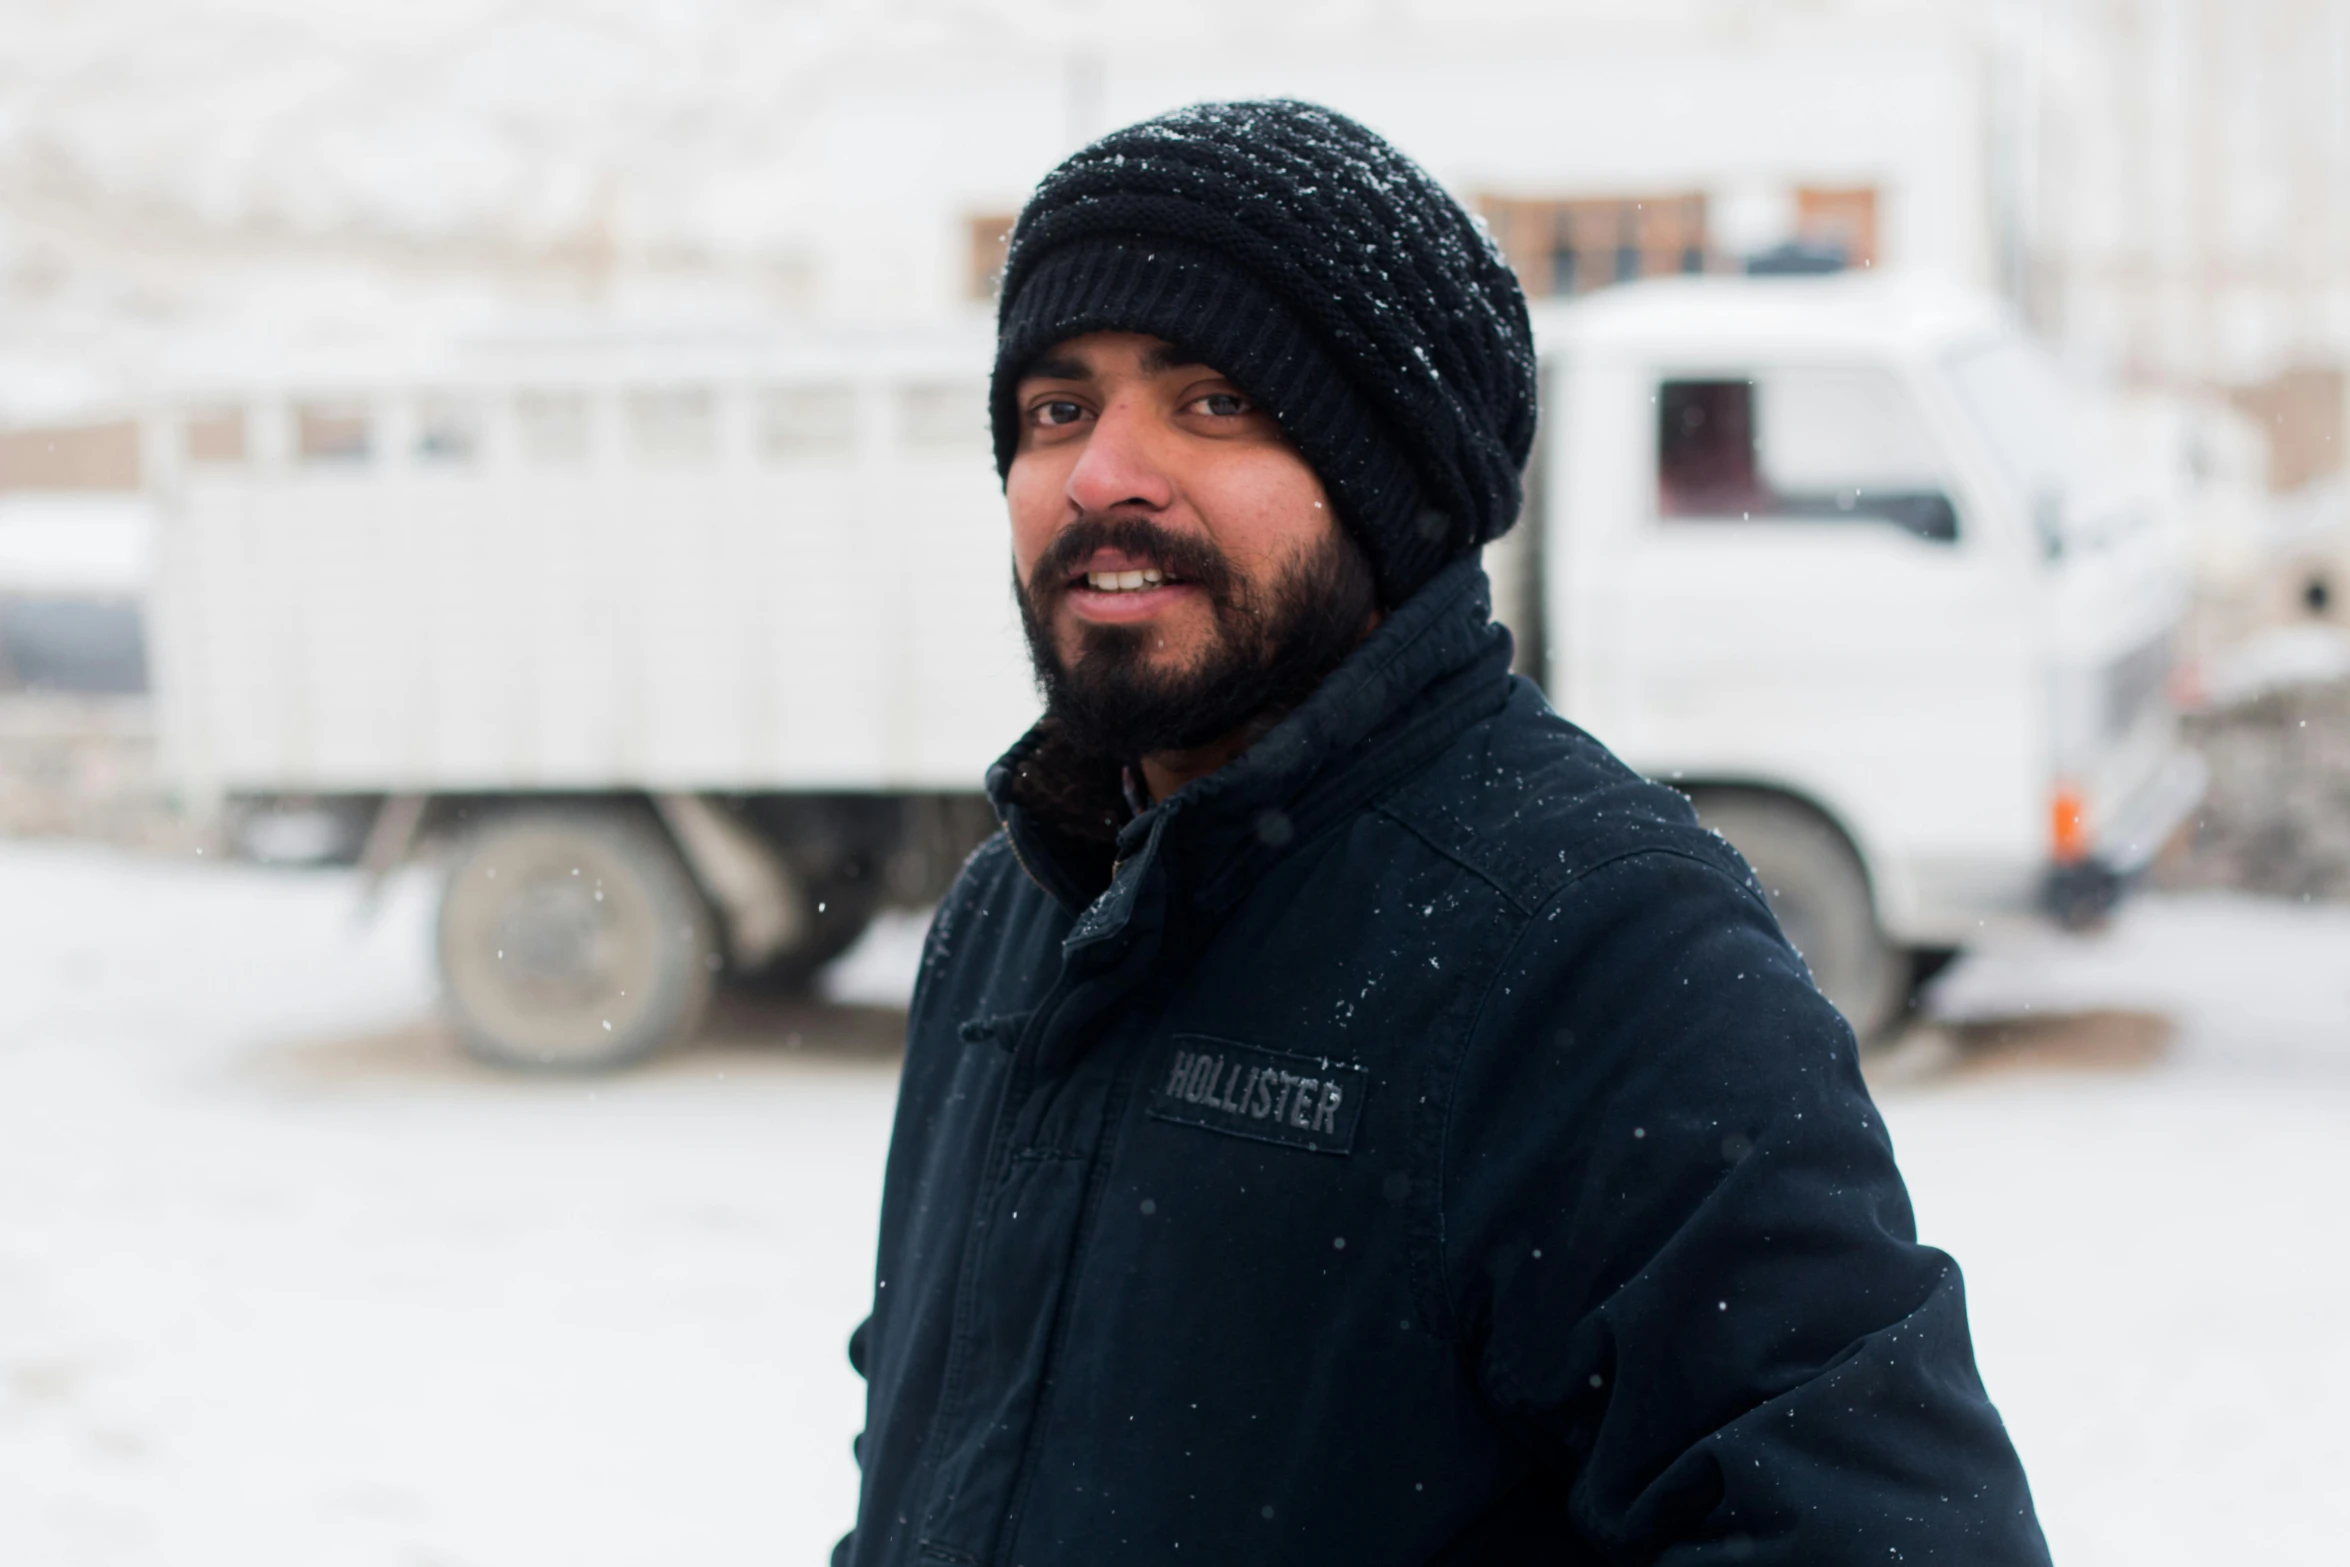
pixel 572 940
pixel 1820 892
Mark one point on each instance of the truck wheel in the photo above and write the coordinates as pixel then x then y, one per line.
pixel 846 909
pixel 1820 893
pixel 572 941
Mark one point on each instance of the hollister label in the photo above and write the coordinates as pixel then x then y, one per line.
pixel 1301 1101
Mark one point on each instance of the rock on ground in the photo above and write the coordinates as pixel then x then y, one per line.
pixel 2277 818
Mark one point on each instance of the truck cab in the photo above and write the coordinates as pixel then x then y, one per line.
pixel 1835 556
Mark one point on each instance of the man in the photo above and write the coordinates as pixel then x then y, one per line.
pixel 1349 1117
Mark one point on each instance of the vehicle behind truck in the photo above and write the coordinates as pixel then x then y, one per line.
pixel 685 658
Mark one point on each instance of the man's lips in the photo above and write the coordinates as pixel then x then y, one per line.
pixel 1113 586
pixel 1114 571
pixel 1120 605
pixel 1121 575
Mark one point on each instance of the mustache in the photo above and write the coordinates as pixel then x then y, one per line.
pixel 1184 557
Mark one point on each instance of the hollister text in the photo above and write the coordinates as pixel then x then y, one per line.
pixel 1301 1101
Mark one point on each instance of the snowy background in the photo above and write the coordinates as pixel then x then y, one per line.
pixel 284 1280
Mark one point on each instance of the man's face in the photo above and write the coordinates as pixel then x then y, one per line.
pixel 1180 566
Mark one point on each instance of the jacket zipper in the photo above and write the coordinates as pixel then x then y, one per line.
pixel 1012 841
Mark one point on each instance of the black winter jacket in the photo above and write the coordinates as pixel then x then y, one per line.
pixel 1423 1148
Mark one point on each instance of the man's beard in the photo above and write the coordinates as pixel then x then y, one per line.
pixel 1271 644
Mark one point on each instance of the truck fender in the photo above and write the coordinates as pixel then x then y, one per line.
pixel 755 892
pixel 1890 889
pixel 389 838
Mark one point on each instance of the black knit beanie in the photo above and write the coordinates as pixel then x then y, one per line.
pixel 1324 273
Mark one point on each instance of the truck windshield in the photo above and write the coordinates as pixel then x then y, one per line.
pixel 2019 400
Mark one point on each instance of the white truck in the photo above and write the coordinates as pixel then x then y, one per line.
pixel 687 657
pixel 1838 557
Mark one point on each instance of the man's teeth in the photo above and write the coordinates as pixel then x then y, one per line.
pixel 1124 581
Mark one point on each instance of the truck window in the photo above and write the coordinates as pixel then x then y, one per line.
pixel 2015 392
pixel 2017 397
pixel 1810 443
pixel 331 432
pixel 798 422
pixel 553 427
pixel 448 430
pixel 672 424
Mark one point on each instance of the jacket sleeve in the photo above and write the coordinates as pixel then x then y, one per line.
pixel 1678 1251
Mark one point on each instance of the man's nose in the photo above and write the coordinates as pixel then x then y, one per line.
pixel 1121 465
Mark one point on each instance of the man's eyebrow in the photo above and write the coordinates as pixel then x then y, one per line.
pixel 1058 368
pixel 1157 359
pixel 1162 357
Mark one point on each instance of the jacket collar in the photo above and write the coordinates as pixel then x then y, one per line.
pixel 1435 666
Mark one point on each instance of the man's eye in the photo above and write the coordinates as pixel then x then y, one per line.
pixel 1224 405
pixel 1057 411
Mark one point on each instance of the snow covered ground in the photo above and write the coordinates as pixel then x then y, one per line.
pixel 283 1281
pixel 2155 1258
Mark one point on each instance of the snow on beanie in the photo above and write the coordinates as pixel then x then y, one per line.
pixel 1323 272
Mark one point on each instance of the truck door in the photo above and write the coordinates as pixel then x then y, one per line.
pixel 1800 600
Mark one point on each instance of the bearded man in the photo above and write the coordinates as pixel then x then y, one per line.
pixel 1348 1116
